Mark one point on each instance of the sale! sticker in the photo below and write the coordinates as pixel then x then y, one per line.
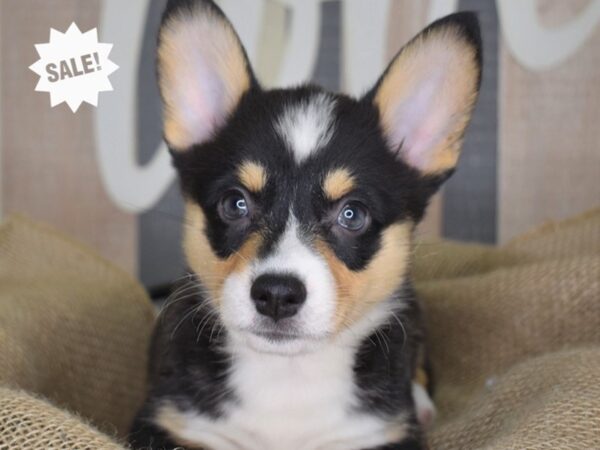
pixel 73 67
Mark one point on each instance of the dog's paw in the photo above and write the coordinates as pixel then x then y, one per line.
pixel 424 405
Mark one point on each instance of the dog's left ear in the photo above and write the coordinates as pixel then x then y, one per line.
pixel 426 95
pixel 203 71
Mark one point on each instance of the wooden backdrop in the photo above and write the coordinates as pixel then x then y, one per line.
pixel 531 155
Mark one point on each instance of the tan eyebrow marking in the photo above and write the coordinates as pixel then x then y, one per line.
pixel 253 176
pixel 338 182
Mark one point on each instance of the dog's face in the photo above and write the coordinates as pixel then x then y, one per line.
pixel 300 204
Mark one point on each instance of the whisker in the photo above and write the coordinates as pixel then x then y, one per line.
pixel 405 335
pixel 183 319
pixel 184 292
pixel 205 322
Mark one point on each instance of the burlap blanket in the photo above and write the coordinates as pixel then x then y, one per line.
pixel 73 336
pixel 514 336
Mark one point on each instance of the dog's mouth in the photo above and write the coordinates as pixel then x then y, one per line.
pixel 281 340
pixel 278 336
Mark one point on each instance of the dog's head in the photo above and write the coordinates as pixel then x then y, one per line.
pixel 300 203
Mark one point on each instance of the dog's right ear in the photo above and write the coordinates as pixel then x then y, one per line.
pixel 203 71
pixel 426 96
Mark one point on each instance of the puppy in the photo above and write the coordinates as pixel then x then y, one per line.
pixel 298 328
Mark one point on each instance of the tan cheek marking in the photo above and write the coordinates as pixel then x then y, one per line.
pixel 412 66
pixel 211 269
pixel 357 292
pixel 179 40
pixel 338 183
pixel 253 176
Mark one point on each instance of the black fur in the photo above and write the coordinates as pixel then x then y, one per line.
pixel 394 191
pixel 385 376
pixel 189 365
pixel 189 368
pixel 407 444
pixel 145 435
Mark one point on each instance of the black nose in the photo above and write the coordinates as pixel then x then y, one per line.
pixel 278 296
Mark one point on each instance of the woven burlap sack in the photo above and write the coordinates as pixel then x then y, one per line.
pixel 548 402
pixel 27 422
pixel 73 330
pixel 513 334
pixel 514 337
pixel 574 237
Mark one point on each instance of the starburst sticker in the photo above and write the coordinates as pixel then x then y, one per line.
pixel 73 67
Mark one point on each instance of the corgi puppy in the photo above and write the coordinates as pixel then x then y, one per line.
pixel 298 328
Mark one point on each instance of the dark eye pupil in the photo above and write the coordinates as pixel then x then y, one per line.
pixel 241 204
pixel 352 218
pixel 234 206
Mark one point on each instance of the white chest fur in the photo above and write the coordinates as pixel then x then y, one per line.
pixel 304 402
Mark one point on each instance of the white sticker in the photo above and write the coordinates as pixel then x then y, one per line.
pixel 73 67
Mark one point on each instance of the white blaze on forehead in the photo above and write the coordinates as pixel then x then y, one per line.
pixel 308 125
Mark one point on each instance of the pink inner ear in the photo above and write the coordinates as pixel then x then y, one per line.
pixel 201 99
pixel 419 122
pixel 203 75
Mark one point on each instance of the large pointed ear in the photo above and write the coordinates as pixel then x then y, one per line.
pixel 203 71
pixel 426 95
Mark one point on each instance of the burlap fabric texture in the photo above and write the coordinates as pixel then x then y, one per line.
pixel 74 332
pixel 514 334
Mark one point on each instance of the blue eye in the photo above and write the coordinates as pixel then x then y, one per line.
pixel 353 217
pixel 234 206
